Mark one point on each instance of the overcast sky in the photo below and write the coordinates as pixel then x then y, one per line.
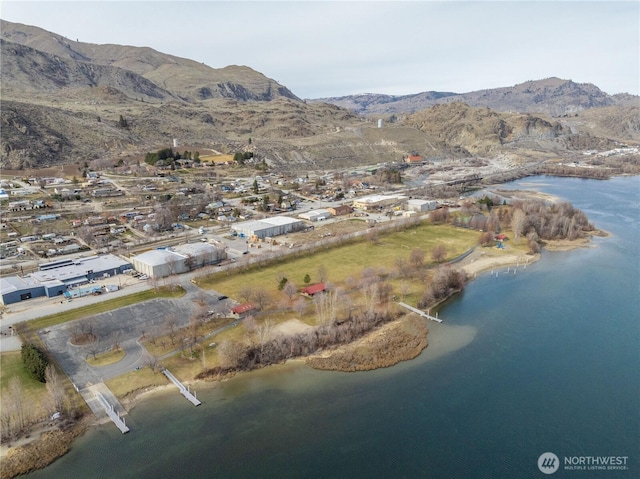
pixel 336 48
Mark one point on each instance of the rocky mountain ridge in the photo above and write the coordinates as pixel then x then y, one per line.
pixel 551 96
pixel 65 101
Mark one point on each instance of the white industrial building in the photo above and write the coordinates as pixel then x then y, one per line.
pixel 421 206
pixel 373 202
pixel 315 215
pixel 179 259
pixel 268 227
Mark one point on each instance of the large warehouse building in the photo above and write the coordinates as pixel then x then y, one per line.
pixel 268 227
pixel 315 215
pixel 374 202
pixel 53 279
pixel 179 259
pixel 421 206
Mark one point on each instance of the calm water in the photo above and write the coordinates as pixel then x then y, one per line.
pixel 554 366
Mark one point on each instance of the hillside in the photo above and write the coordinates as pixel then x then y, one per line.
pixel 68 102
pixel 465 130
pixel 551 96
pixel 186 79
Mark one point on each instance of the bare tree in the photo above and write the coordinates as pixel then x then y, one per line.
pixel 115 338
pixel 438 253
pixel 369 276
pixel 155 283
pixel 171 326
pixel 290 290
pixel 518 221
pixel 55 389
pixel 230 353
pixel 486 238
pixel 246 293
pixel 250 325
pixel 16 401
pixel 6 417
pixel 326 307
pixel 370 296
pixel 416 258
pixel 322 273
pixel 152 363
pixel 261 297
pixel 373 235
pixel 404 289
pixel 300 306
pixel 93 349
pixel 264 332
pixel 402 267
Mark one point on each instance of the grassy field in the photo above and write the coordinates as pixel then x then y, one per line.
pixel 104 359
pixel 347 261
pixel 11 366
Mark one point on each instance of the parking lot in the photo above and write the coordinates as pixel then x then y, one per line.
pixel 124 326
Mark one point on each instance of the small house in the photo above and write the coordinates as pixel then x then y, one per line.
pixel 240 310
pixel 313 289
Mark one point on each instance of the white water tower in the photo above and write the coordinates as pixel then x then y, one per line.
pixel 175 143
pixel 380 123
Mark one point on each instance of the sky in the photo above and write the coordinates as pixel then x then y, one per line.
pixel 338 48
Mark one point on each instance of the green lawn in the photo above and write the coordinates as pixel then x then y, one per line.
pixel 11 366
pixel 349 260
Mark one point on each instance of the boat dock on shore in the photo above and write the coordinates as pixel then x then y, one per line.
pixel 183 389
pixel 421 313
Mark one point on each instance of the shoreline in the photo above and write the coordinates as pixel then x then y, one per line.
pixel 56 442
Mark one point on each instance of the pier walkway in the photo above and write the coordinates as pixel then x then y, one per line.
pixel 421 313
pixel 183 390
pixel 113 415
pixel 104 404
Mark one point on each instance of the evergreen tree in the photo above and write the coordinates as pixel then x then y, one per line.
pixel 35 362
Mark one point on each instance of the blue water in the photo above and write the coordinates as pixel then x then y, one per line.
pixel 554 366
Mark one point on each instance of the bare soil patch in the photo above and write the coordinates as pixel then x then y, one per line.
pixel 291 327
pixel 83 339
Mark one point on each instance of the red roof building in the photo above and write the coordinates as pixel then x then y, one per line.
pixel 313 289
pixel 242 308
pixel 414 159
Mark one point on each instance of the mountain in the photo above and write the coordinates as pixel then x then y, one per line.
pixel 552 96
pixel 461 128
pixel 68 102
pixel 185 79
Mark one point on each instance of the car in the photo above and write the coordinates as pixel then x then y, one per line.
pixel 143 277
pixel 220 298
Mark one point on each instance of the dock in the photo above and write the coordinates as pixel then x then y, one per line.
pixel 421 313
pixel 113 415
pixel 183 389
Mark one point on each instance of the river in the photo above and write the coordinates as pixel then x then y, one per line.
pixel 545 360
